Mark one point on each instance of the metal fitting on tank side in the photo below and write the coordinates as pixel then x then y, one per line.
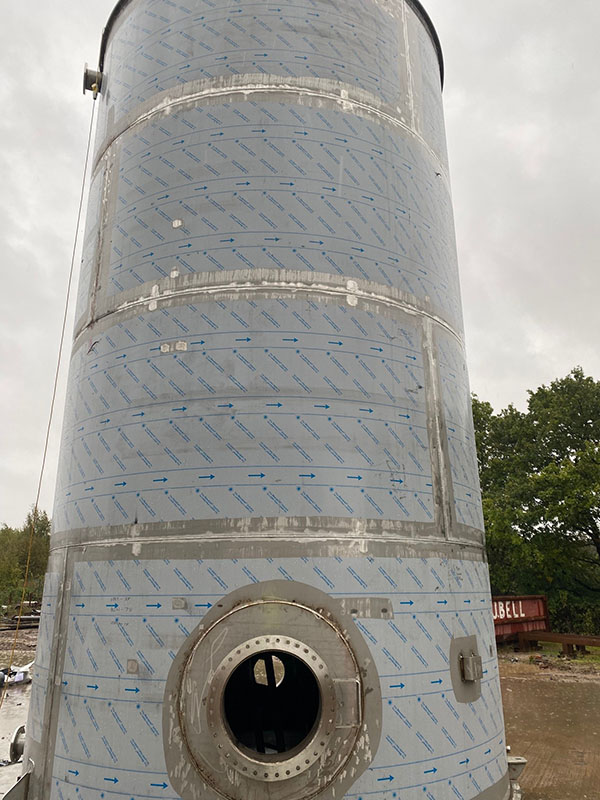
pixel 92 81
pixel 17 745
pixel 20 791
pixel 516 765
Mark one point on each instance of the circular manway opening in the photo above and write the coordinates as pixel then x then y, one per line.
pixel 271 702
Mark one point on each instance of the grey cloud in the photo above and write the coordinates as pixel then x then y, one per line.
pixel 522 110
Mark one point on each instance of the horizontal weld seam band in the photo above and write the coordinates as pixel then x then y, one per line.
pixel 270 286
pixel 344 96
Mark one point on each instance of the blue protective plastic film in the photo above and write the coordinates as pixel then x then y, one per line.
pixel 268 383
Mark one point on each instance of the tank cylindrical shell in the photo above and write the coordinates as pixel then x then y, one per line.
pixel 268 575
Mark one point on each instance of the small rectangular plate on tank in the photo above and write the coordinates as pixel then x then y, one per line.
pixel 368 607
pixel 348 698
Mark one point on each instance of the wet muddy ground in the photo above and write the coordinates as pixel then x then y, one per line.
pixel 552 715
pixel 12 714
pixel 552 718
pixel 16 703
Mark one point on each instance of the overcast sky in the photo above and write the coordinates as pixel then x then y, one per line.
pixel 522 103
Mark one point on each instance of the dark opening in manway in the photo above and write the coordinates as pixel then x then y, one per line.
pixel 271 702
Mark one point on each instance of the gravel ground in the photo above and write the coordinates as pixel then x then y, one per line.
pixel 25 650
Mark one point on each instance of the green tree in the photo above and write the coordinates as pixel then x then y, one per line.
pixel 540 477
pixel 10 573
pixel 14 546
pixel 40 548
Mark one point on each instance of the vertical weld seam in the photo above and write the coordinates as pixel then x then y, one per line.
pixel 101 236
pixel 441 473
pixel 409 74
pixel 110 211
pixel 56 668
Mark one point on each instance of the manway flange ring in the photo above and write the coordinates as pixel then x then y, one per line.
pixel 204 754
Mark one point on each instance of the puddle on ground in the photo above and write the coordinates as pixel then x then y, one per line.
pixel 555 725
pixel 12 714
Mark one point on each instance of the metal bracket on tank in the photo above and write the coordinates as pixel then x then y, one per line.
pixel 92 80
pixel 471 667
pixel 466 669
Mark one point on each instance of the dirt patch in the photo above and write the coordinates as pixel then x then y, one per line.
pixel 548 666
pixel 551 719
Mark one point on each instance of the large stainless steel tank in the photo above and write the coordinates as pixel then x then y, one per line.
pixel 268 575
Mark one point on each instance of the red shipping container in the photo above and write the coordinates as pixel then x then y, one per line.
pixel 515 614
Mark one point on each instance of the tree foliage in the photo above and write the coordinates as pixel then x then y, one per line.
pixel 540 478
pixel 14 546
